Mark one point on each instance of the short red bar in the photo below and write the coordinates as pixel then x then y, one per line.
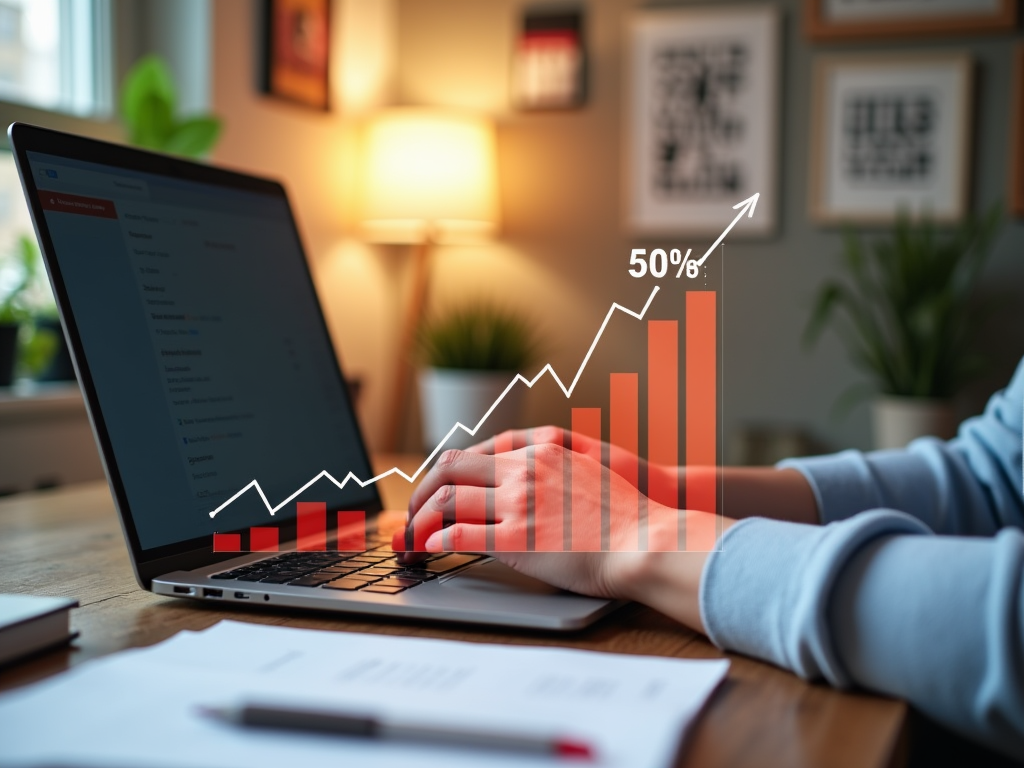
pixel 351 531
pixel 227 542
pixel 586 531
pixel 311 526
pixel 624 434
pixel 701 416
pixel 263 539
pixel 663 412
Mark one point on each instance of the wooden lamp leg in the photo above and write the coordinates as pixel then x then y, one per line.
pixel 404 368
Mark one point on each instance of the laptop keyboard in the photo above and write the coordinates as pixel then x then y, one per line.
pixel 375 570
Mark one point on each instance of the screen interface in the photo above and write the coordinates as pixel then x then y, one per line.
pixel 204 338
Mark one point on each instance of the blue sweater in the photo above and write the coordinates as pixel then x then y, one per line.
pixel 873 598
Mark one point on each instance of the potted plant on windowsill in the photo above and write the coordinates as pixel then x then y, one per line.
pixel 903 308
pixel 25 298
pixel 470 355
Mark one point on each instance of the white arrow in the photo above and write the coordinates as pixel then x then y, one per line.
pixel 746 207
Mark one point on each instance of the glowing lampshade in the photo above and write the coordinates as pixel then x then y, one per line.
pixel 429 175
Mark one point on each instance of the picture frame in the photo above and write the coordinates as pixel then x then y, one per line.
pixel 838 20
pixel 701 119
pixel 295 42
pixel 890 134
pixel 1016 196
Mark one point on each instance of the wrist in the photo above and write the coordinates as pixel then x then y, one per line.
pixel 668 581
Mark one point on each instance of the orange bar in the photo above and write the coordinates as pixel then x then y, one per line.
pixel 263 539
pixel 352 531
pixel 586 531
pixel 311 526
pixel 663 412
pixel 701 416
pixel 624 433
pixel 227 542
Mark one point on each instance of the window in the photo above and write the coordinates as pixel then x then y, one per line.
pixel 55 55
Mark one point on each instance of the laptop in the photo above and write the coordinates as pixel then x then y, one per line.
pixel 205 363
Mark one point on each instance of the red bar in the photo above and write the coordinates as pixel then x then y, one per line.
pixel 663 413
pixel 510 538
pixel 701 416
pixel 227 542
pixel 83 206
pixel 550 501
pixel 311 527
pixel 352 531
pixel 263 539
pixel 624 433
pixel 586 531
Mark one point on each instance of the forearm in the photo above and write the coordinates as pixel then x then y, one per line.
pixel 780 494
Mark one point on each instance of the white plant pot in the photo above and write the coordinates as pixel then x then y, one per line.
pixel 898 420
pixel 449 396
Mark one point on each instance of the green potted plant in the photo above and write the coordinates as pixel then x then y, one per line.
pixel 24 297
pixel 469 356
pixel 903 307
pixel 149 106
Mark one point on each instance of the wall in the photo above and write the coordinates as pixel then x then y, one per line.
pixel 313 153
pixel 563 253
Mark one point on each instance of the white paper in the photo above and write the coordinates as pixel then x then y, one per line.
pixel 139 708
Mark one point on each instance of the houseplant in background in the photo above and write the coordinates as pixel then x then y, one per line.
pixel 470 355
pixel 26 347
pixel 149 106
pixel 903 307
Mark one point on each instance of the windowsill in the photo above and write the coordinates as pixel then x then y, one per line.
pixel 29 400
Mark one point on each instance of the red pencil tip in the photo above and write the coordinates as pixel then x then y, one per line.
pixel 574 749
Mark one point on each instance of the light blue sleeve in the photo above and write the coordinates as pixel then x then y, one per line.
pixel 969 485
pixel 878 601
pixel 874 599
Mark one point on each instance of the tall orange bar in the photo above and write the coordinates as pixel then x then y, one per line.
pixel 663 417
pixel 351 531
pixel 586 529
pixel 311 526
pixel 701 416
pixel 227 542
pixel 262 539
pixel 624 433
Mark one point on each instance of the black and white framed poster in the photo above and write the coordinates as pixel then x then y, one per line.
pixel 890 133
pixel 701 119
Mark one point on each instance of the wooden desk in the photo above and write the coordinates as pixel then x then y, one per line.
pixel 68 542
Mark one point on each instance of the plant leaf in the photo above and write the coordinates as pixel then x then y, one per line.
pixel 194 137
pixel 149 77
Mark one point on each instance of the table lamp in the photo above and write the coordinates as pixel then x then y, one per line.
pixel 429 177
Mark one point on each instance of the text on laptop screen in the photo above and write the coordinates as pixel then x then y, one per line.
pixel 204 338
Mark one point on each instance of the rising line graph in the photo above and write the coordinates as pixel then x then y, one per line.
pixel 745 208
pixel 547 370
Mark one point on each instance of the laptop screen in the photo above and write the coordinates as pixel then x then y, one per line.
pixel 204 341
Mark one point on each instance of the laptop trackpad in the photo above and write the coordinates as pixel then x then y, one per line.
pixel 494 577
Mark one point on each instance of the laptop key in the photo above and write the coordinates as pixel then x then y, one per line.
pixel 379 571
pixel 312 581
pixel 361 576
pixel 398 581
pixel 348 585
pixel 384 590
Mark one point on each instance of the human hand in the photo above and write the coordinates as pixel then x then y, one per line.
pixel 653 480
pixel 501 504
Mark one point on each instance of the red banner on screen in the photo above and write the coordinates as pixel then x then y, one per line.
pixel 83 206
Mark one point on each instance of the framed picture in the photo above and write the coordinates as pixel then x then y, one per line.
pixel 890 134
pixel 296 43
pixel 873 19
pixel 549 66
pixel 700 133
pixel 1017 137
